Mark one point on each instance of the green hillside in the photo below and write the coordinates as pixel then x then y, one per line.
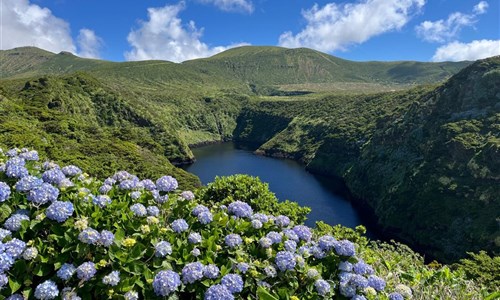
pixel 425 162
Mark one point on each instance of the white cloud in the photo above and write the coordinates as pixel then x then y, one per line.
pixel 334 26
pixel 445 30
pixel 89 43
pixel 474 50
pixel 25 24
pixel 164 36
pixel 232 5
pixel 481 7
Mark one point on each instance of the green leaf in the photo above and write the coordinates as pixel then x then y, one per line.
pixel 495 295
pixel 263 294
pixel 14 284
pixel 5 212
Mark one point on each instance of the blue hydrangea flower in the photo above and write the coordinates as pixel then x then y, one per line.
pixel 240 209
pixel 205 217
pixel 233 240
pixel 66 271
pixel 265 242
pixel 148 184
pixel 4 233
pixel 53 176
pixel 218 292
pixel 192 272
pixel 285 260
pixel 179 225
pixel 25 184
pixel 282 221
pixel 15 248
pixel 362 268
pixel 15 168
pixel 65 183
pixel 359 281
pixel 4 191
pixel 242 267
pixel 199 209
pixel 89 236
pixel 261 217
pixel 345 248
pixel 291 235
pixel 303 232
pixel 195 252
pixel 396 296
pixel 12 152
pixel 120 176
pixel 166 283
pixel 105 188
pixel 135 195
pixel 345 277
pixel 233 282
pixel 270 271
pixel 274 236
pixel 358 297
pixel 327 242
pixel 376 282
pixel 139 210
pixel 15 297
pixel 318 252
pixel 86 271
pixel 112 278
pixel 43 194
pixel 3 280
pixel 60 211
pixel 322 287
pixel 71 170
pixel 163 249
pixel 29 155
pixel 107 238
pixel 46 290
pixel 127 184
pixel 6 262
pixel 101 200
pixel 211 271
pixel 290 245
pixel 194 238
pixel 131 295
pixel 13 223
pixel 153 211
pixel 166 184
pixel 256 224
pixel 187 195
pixel 345 266
pixel 348 290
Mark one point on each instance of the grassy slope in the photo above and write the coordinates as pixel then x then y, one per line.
pixel 426 161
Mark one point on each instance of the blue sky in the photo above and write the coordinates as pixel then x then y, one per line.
pixel 432 30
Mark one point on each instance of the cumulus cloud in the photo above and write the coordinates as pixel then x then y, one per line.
pixel 481 7
pixel 164 36
pixel 335 26
pixel 89 44
pixel 445 30
pixel 232 5
pixel 25 24
pixel 474 50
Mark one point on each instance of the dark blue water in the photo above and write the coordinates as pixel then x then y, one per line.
pixel 287 179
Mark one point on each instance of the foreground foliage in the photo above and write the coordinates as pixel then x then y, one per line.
pixel 71 236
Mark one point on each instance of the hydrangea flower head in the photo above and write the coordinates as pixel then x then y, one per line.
pixel 46 290
pixel 30 253
pixel 192 272
pixel 376 282
pixel 25 184
pixel 6 262
pixel 166 184
pixel 282 221
pixel 179 225
pixel 60 211
pixel 242 267
pixel 322 287
pixel 4 191
pixel 86 271
pixel 13 223
pixel 112 278
pixel 396 296
pixel 218 292
pixel 101 200
pixel 211 271
pixel 303 232
pixel 345 248
pixel 205 217
pixel 194 238
pixel 131 295
pixel 285 260
pixel 139 210
pixel 163 249
pixel 166 283
pixel 240 209
pixel 66 271
pixel 15 248
pixel 71 171
pixel 54 176
pixel 187 195
pixel 43 193
pixel 153 211
pixel 274 236
pixel 233 282
pixel 233 240
pixel 89 236
pixel 107 238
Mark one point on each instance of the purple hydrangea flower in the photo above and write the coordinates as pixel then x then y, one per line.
pixel 13 223
pixel 322 287
pixel 233 240
pixel 265 242
pixel 89 236
pixel 240 209
pixel 376 282
pixel 396 296
pixel 345 266
pixel 105 188
pixel 179 225
pixel 3 280
pixel 166 184
pixel 153 211
pixel 4 191
pixel 66 271
pixel 101 200
pixel 199 209
pixel 6 262
pixel 53 176
pixel 261 217
pixel 15 168
pixel 4 233
pixel 327 242
pixel 112 278
pixel 46 290
pixel 205 217
pixel 25 184
pixel 192 272
pixel 362 268
pixel 139 210
pixel 86 271
pixel 166 283
pixel 270 271
pixel 148 184
pixel 233 282
pixel 303 232
pixel 345 248
pixel 71 170
pixel 131 295
pixel 194 238
pixel 256 224
pixel 107 238
pixel 15 297
pixel 120 176
pixel 282 221
pixel 218 292
pixel 291 235
pixel 274 236
pixel 242 267
pixel 29 155
pixel 211 271
pixel 60 211
pixel 285 260
pixel 290 245
pixel 163 249
pixel 15 248
pixel 187 195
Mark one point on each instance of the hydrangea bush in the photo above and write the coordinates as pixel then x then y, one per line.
pixel 67 235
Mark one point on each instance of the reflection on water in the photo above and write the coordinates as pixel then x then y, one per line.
pixel 287 179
